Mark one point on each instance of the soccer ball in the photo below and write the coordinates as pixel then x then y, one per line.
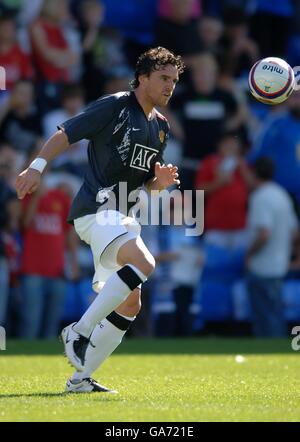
pixel 271 80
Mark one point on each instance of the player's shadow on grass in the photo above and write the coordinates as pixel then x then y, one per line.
pixel 107 398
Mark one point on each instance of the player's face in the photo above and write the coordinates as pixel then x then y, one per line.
pixel 160 85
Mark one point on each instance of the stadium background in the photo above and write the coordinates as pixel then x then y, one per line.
pixel 198 286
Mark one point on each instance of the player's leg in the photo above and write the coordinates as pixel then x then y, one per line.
pixel 137 264
pixel 106 337
pixel 136 253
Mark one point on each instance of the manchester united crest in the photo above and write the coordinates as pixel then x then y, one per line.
pixel 162 136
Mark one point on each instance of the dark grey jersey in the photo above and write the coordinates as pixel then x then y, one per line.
pixel 123 147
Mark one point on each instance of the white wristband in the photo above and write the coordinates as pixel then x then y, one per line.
pixel 38 164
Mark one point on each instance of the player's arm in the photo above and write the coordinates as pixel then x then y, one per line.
pixel 161 176
pixel 83 126
pixel 29 180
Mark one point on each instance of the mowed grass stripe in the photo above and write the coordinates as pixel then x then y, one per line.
pixel 156 387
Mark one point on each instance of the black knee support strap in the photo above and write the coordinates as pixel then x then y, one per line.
pixel 129 277
pixel 118 321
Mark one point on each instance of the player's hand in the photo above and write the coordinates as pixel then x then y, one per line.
pixel 166 175
pixel 27 182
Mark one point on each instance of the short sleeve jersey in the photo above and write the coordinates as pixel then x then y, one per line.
pixel 123 147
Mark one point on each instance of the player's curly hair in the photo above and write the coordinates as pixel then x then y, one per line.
pixel 153 60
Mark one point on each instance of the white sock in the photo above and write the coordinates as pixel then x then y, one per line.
pixel 106 337
pixel 113 293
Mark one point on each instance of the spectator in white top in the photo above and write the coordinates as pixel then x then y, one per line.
pixel 272 224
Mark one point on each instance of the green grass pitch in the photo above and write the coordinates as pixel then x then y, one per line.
pixel 173 380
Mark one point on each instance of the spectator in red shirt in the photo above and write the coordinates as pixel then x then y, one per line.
pixel 17 63
pixel 52 53
pixel 224 177
pixel 44 235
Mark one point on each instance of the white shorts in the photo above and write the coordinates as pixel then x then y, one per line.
pixel 105 232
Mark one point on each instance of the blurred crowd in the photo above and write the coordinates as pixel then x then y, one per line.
pixel 60 55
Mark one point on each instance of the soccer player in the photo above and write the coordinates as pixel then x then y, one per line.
pixel 127 137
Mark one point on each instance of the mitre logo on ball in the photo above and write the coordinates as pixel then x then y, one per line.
pixel 271 80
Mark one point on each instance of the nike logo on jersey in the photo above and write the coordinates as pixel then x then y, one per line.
pixel 135 129
pixel 142 156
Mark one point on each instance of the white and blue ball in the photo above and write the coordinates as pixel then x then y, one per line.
pixel 271 80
